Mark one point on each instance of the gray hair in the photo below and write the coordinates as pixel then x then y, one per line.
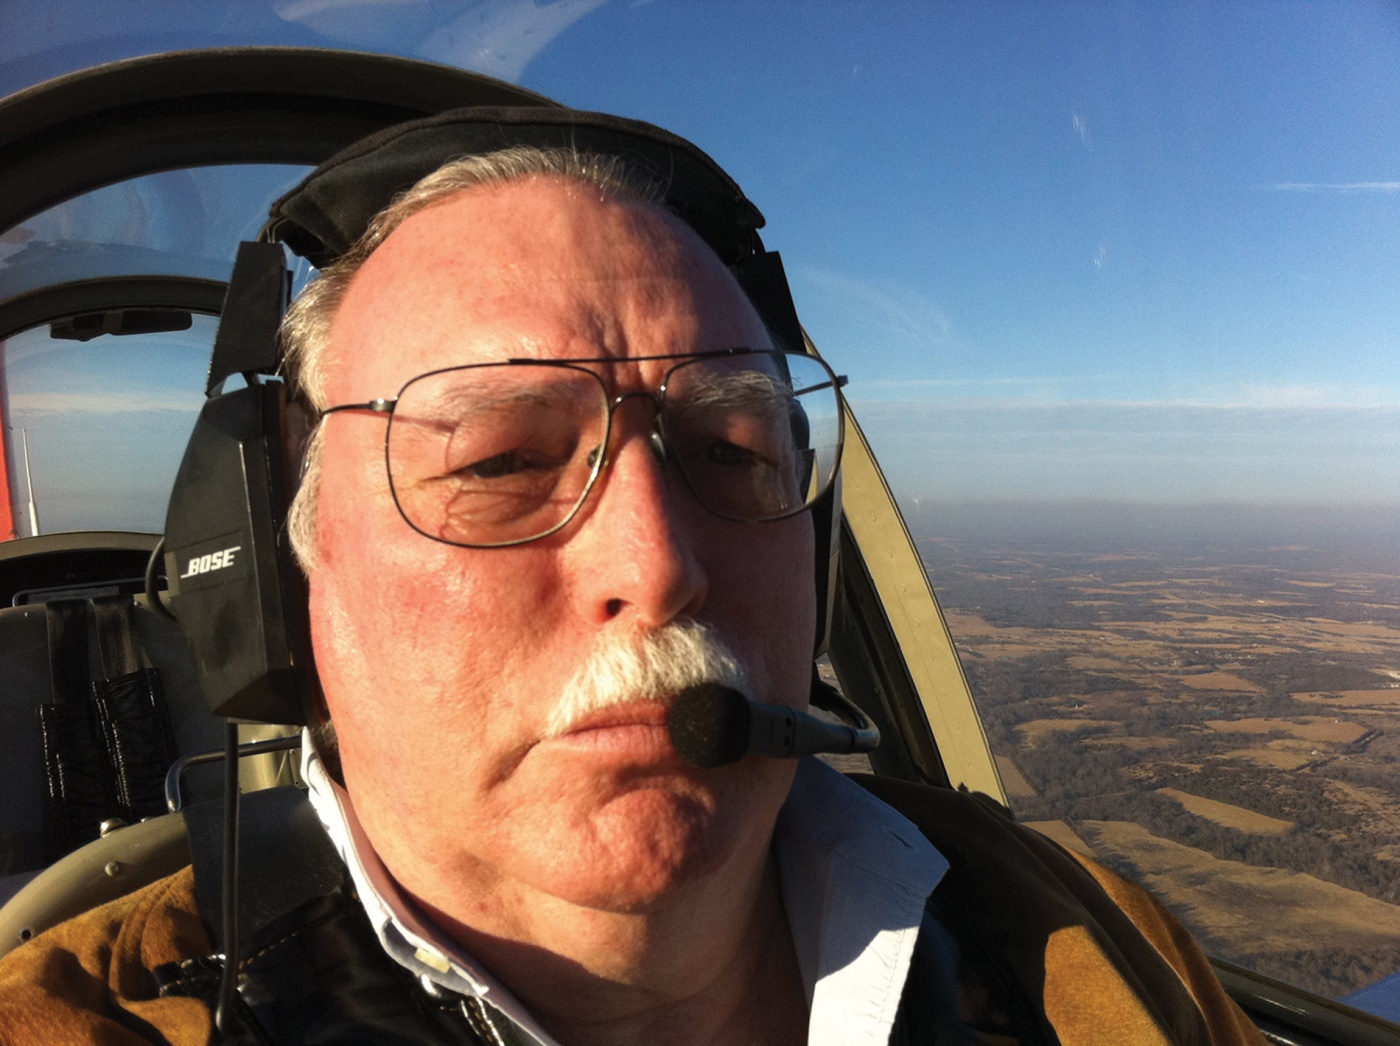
pixel 306 329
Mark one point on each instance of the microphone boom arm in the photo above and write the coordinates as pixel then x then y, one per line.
pixel 713 725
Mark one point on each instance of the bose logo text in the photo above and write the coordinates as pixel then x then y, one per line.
pixel 212 561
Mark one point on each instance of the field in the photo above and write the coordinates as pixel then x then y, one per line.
pixel 1375 700
pixel 1224 898
pixel 1227 814
pixel 1221 724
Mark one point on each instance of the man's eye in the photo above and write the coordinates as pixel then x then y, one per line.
pixel 498 466
pixel 722 452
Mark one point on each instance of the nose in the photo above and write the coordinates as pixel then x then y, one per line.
pixel 658 445
pixel 634 558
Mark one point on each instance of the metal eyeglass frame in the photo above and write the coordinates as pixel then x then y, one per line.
pixel 386 406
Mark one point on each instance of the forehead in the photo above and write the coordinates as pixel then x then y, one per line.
pixel 542 268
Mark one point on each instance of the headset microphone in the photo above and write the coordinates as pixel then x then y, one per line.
pixel 713 725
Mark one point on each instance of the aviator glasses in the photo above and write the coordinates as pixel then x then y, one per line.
pixel 494 454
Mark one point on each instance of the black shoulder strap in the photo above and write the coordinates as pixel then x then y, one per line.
pixel 118 651
pixel 132 716
pixel 106 734
pixel 67 621
pixel 313 969
pixel 76 773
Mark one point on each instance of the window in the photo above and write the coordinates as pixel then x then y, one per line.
pixel 94 430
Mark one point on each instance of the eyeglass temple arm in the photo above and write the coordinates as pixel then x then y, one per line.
pixel 379 406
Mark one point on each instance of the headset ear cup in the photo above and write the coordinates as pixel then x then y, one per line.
pixel 234 586
pixel 235 590
pixel 826 525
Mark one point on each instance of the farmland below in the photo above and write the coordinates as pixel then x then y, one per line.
pixel 1219 722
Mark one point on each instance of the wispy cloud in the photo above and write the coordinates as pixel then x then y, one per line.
pixel 1384 188
pixel 1058 394
pixel 145 401
pixel 502 37
pixel 498 37
pixel 1022 382
pixel 905 315
pixel 1293 397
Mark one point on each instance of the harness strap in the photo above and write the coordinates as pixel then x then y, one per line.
pixel 132 714
pixel 118 652
pixel 67 621
pixel 80 793
pixel 106 734
pixel 312 968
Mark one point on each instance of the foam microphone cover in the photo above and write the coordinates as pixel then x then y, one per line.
pixel 709 725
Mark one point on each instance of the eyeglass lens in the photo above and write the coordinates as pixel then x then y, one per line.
pixel 498 454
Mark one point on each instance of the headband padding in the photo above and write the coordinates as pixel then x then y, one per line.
pixel 323 216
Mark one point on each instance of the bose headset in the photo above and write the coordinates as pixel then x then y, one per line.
pixel 237 593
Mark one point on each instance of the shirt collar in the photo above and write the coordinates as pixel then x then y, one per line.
pixel 855 876
pixel 854 873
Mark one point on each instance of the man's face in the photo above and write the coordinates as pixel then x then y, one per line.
pixel 441 664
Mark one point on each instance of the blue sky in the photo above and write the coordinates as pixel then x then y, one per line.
pixel 1121 251
pixel 1148 252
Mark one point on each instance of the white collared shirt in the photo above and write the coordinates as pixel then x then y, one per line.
pixel 854 875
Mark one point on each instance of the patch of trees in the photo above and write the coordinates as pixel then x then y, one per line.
pixel 1275 793
pixel 1330 972
pixel 1380 775
pixel 1010 692
pixel 1078 782
pixel 1074 781
pixel 1307 672
pixel 1015 681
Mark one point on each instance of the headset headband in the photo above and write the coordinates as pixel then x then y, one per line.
pixel 323 216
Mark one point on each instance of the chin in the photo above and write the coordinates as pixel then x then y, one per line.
pixel 636 852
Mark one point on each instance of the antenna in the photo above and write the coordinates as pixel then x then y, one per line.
pixel 29 485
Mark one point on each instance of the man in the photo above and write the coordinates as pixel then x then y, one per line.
pixel 589 868
pixel 514 569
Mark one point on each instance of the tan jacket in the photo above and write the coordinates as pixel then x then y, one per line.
pixel 89 979
pixel 1059 924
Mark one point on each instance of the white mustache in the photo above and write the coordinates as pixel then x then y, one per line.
pixel 648 666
